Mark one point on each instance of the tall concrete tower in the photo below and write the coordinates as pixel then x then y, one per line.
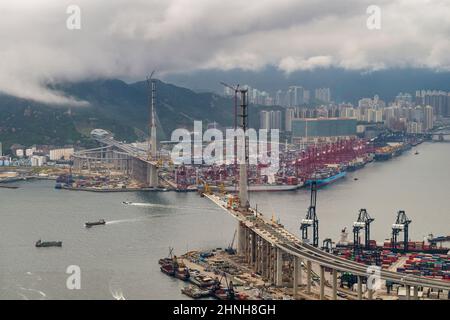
pixel 243 179
pixel 153 124
pixel 152 148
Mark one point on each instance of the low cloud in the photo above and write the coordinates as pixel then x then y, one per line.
pixel 129 39
pixel 291 64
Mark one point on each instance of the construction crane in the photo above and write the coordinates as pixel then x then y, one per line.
pixel 311 218
pixel 401 224
pixel 363 222
pixel 230 249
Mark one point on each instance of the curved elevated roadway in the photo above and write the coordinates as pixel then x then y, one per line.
pixel 290 244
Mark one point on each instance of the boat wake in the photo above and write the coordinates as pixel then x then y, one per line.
pixel 118 295
pixel 123 221
pixel 116 292
pixel 42 295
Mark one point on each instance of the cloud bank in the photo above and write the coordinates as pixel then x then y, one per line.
pixel 128 39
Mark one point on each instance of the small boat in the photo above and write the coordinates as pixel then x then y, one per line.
pixel 202 281
pixel 9 187
pixel 43 244
pixel 126 202
pixel 164 261
pixel 182 273
pixel 416 153
pixel 95 223
pixel 224 294
pixel 168 269
pixel 356 179
pixel 194 292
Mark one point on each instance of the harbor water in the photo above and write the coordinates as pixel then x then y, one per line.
pixel 119 260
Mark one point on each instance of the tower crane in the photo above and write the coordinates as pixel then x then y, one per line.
pixel 363 222
pixel 401 224
pixel 311 218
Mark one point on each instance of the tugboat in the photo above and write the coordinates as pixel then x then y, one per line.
pixel 42 244
pixel 95 223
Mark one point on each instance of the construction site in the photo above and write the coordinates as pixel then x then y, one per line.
pixel 272 263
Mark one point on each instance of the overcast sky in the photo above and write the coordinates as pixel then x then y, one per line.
pixel 129 38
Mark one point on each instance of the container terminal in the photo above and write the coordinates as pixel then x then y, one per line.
pixel 118 166
pixel 241 276
pixel 271 262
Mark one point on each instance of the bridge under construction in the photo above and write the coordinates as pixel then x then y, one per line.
pixel 278 255
pixel 141 165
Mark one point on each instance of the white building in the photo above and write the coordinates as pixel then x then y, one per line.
pixel 264 120
pixel 428 121
pixel 323 94
pixel 414 127
pixel 270 120
pixel 290 114
pixel 29 152
pixel 38 161
pixel 61 154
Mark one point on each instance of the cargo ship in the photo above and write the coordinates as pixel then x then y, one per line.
pixel 383 154
pixel 357 164
pixel 195 293
pixel 390 151
pixel 173 268
pixel 45 244
pixel 266 187
pixel 325 178
pixel 95 223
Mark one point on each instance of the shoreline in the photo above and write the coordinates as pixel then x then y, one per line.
pixel 115 190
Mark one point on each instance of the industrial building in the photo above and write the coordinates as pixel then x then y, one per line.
pixel 322 129
pixel 64 153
